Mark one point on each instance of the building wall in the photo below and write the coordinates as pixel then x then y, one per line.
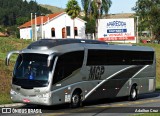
pixel 57 23
pixel 62 22
pixel 25 33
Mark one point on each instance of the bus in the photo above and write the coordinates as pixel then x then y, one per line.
pixel 57 71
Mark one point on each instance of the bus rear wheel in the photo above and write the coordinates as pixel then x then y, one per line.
pixel 133 93
pixel 75 100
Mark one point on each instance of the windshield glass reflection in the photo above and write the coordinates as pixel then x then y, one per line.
pixel 31 67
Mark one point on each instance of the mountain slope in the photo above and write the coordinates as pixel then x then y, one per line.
pixel 54 9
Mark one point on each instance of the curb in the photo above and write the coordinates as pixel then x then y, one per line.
pixel 12 105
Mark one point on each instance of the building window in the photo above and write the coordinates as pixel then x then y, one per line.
pixel 53 32
pixel 68 31
pixel 75 31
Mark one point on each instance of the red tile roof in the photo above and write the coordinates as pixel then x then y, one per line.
pixel 39 18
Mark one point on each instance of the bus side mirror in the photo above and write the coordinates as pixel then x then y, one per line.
pixel 7 61
pixel 9 55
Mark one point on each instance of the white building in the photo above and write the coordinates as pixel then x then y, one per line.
pixel 57 25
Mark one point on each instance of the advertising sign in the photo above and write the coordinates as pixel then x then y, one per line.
pixel 116 30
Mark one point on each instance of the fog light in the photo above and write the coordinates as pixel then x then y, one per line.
pixel 12 92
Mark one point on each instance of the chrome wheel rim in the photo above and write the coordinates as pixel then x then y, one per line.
pixel 134 93
pixel 75 99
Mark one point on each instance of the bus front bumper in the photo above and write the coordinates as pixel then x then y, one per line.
pixel 44 99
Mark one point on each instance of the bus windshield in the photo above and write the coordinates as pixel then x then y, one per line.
pixel 31 71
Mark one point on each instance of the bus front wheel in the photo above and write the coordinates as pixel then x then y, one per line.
pixel 75 100
pixel 133 93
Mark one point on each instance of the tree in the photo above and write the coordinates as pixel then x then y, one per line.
pixel 13 13
pixel 73 11
pixel 90 25
pixel 149 14
pixel 94 9
pixel 13 9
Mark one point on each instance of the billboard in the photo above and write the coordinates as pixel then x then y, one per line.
pixel 118 30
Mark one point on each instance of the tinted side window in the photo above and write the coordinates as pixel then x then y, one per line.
pixel 119 57
pixel 67 64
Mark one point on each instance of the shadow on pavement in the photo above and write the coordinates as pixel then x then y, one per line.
pixel 65 107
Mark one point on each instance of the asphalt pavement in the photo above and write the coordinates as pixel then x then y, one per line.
pixel 147 103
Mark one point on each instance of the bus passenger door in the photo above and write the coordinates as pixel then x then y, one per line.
pixel 84 70
pixel 91 72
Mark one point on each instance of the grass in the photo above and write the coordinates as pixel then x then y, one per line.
pixel 5 98
pixel 9 44
pixel 148 114
pixel 6 45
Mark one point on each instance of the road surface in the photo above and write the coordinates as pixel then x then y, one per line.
pixel 147 103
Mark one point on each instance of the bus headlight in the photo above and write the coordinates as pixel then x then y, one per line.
pixel 46 95
pixel 12 92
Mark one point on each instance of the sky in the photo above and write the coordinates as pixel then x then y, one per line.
pixel 118 6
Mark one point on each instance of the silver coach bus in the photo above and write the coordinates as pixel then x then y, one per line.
pixel 57 71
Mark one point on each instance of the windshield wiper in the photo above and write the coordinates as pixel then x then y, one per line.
pixel 40 83
pixel 29 80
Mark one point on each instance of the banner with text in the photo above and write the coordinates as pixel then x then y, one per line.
pixel 116 29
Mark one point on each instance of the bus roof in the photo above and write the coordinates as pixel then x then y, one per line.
pixel 67 45
pixel 49 43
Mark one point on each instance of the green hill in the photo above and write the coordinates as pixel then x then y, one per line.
pixel 14 13
pixel 54 9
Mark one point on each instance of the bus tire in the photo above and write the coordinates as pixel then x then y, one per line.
pixel 133 93
pixel 75 100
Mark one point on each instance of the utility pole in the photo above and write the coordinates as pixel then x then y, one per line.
pixel 137 30
pixel 35 27
pixel 42 15
pixel 31 27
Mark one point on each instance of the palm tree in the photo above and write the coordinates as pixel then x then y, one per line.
pixel 95 8
pixel 73 11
